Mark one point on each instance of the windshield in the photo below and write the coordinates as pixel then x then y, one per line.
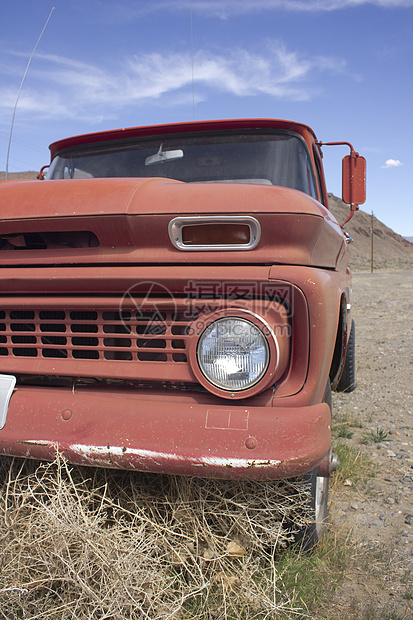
pixel 268 159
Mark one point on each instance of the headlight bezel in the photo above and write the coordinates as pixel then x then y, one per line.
pixel 270 373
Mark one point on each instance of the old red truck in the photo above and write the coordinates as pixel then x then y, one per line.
pixel 177 299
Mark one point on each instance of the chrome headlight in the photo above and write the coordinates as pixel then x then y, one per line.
pixel 233 354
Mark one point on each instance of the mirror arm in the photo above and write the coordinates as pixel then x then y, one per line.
pixel 41 176
pixel 354 208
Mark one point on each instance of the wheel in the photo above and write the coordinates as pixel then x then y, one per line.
pixel 319 508
pixel 318 502
pixel 347 381
pixel 310 535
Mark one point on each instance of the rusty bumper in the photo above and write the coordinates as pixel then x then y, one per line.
pixel 111 428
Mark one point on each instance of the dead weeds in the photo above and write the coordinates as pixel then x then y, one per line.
pixel 93 543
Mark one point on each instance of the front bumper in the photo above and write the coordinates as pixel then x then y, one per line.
pixel 109 427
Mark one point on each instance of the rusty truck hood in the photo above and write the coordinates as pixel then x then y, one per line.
pixel 125 221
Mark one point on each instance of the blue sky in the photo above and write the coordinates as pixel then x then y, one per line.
pixel 344 67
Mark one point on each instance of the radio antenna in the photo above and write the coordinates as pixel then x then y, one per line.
pixel 20 90
pixel 192 55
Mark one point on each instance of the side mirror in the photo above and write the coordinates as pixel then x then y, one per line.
pixel 354 179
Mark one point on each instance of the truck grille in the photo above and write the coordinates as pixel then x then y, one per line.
pixel 95 335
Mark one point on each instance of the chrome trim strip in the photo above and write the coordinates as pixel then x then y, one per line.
pixel 178 223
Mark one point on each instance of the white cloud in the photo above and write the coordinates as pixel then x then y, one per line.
pixel 246 6
pixel 71 89
pixel 392 163
pixel 226 8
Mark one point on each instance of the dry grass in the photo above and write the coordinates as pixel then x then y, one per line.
pixel 91 543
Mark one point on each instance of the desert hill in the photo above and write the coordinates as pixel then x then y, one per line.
pixel 390 250
pixel 30 174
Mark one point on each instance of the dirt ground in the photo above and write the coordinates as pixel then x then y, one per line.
pixel 377 417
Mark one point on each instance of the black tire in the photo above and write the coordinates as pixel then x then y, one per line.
pixel 347 381
pixel 318 503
